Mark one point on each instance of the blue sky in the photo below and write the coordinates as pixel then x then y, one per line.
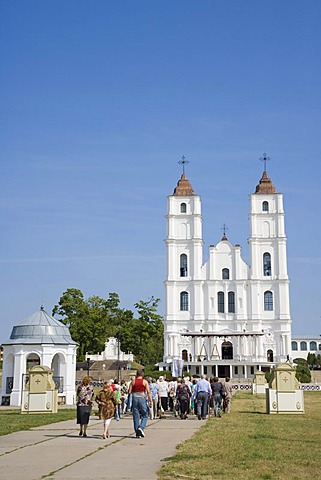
pixel 99 101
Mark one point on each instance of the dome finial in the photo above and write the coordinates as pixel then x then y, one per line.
pixel 41 303
pixel 184 187
pixel 265 186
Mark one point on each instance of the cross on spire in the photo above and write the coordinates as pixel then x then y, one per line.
pixel 265 159
pixel 183 162
pixel 224 229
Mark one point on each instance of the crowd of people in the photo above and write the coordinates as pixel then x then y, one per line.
pixel 152 398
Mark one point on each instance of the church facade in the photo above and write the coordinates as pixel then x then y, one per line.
pixel 222 316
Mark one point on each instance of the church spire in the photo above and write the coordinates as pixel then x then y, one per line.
pixel 265 185
pixel 184 187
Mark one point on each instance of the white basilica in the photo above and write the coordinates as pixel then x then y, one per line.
pixel 222 316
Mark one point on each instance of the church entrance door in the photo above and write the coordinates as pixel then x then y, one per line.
pixel 223 371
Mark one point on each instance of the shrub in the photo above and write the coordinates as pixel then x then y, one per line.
pixel 268 376
pixel 301 361
pixel 303 373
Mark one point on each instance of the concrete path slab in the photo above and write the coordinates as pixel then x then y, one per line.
pixel 56 452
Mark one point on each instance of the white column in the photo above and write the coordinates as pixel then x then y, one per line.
pixel 175 346
pixel 19 369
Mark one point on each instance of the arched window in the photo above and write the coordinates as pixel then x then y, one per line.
pixel 266 264
pixel 268 301
pixel 184 355
pixel 303 346
pixel 184 301
pixel 32 360
pixel 220 302
pixel 270 355
pixel 313 346
pixel 294 345
pixel 183 265
pixel 225 274
pixel 265 206
pixel 183 207
pixel 231 302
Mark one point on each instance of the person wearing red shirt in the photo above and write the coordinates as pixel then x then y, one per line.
pixel 142 400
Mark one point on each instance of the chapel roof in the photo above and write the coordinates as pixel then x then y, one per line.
pixel 184 187
pixel 39 328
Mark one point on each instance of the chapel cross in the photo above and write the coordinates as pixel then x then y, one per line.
pixel 265 159
pixel 224 229
pixel 183 162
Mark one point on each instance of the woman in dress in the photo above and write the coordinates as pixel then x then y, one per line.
pixel 106 400
pixel 123 396
pixel 183 395
pixel 84 403
pixel 227 389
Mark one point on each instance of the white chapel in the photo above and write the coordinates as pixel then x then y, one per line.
pixel 222 316
pixel 39 340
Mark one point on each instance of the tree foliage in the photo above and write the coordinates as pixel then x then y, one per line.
pixel 302 373
pixel 311 359
pixel 91 322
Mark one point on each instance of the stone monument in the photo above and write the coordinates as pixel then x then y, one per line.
pixel 40 394
pixel 284 394
pixel 259 383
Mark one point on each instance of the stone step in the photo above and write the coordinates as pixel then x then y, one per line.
pixel 105 375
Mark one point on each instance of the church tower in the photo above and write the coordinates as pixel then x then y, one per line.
pixel 270 304
pixel 184 253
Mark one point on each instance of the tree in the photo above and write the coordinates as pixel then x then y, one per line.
pixel 302 373
pixel 144 336
pixel 90 321
pixel 311 359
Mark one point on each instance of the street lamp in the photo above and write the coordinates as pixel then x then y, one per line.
pixel 118 356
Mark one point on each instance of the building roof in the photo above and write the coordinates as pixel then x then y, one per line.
pixel 265 185
pixel 40 328
pixel 184 187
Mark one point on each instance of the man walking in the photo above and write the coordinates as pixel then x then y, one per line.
pixel 201 393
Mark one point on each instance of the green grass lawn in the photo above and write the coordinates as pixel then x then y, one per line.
pixel 248 444
pixel 13 421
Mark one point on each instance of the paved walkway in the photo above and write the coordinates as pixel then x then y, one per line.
pixel 56 451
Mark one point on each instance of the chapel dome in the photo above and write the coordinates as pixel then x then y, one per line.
pixel 39 328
